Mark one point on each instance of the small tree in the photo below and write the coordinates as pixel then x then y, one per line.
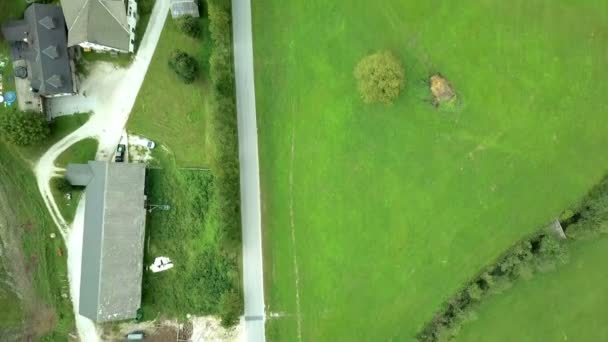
pixel 231 308
pixel 24 128
pixel 190 26
pixel 184 65
pixel 380 77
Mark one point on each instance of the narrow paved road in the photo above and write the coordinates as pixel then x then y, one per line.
pixel 253 280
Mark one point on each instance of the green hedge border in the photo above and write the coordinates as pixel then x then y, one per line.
pixel 541 252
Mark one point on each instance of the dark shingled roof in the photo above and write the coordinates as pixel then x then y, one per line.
pixel 41 39
pixel 113 241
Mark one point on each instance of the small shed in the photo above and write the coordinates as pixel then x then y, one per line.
pixel 180 8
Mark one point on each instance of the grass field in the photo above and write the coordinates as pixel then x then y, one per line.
pixel 395 207
pixel 569 304
pixel 170 111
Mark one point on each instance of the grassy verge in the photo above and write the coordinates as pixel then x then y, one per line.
pixel 144 10
pixel 171 112
pixel 79 153
pixel 189 234
pixel 45 257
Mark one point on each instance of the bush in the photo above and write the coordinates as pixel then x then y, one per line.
pixel 24 128
pixel 184 65
pixel 380 77
pixel 190 26
pixel 145 6
pixel 224 121
pixel 231 307
pixel 62 185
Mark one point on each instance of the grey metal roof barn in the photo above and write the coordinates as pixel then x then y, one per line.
pixel 113 241
pixel 102 22
pixel 40 38
pixel 180 8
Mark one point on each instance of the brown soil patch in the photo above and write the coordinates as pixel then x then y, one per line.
pixel 441 89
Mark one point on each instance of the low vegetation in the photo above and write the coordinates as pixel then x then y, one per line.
pixel 205 275
pixel 224 121
pixel 380 77
pixel 190 26
pixel 541 253
pixel 184 66
pixel 23 128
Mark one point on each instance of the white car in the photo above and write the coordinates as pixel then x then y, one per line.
pixel 151 144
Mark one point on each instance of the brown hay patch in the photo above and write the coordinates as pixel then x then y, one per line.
pixel 441 89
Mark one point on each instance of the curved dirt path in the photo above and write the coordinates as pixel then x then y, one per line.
pixel 114 92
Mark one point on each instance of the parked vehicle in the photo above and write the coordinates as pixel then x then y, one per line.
pixel 135 336
pixel 120 153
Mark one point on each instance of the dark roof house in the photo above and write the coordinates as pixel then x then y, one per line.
pixel 113 240
pixel 98 24
pixel 180 8
pixel 40 38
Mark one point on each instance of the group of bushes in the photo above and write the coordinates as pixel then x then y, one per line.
pixel 541 253
pixel 224 119
pixel 23 128
pixel 225 135
pixel 185 66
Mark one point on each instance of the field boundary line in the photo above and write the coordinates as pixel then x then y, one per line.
pixel 293 233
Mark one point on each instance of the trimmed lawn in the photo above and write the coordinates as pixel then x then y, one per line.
pixel 171 112
pixel 395 207
pixel 569 304
pixel 79 153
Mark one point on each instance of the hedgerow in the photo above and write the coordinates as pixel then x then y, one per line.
pixel 542 252
pixel 225 136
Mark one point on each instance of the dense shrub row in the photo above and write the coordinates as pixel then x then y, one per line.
pixel 224 120
pixel 23 128
pixel 540 253
pixel 224 123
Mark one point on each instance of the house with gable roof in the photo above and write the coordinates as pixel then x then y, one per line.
pixel 101 25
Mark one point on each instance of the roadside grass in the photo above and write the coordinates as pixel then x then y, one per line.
pixel 189 235
pixel 144 8
pixel 567 304
pixel 46 262
pixel 396 207
pixel 79 153
pixel 170 111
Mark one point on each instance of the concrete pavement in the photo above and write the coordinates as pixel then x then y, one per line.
pixel 253 279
